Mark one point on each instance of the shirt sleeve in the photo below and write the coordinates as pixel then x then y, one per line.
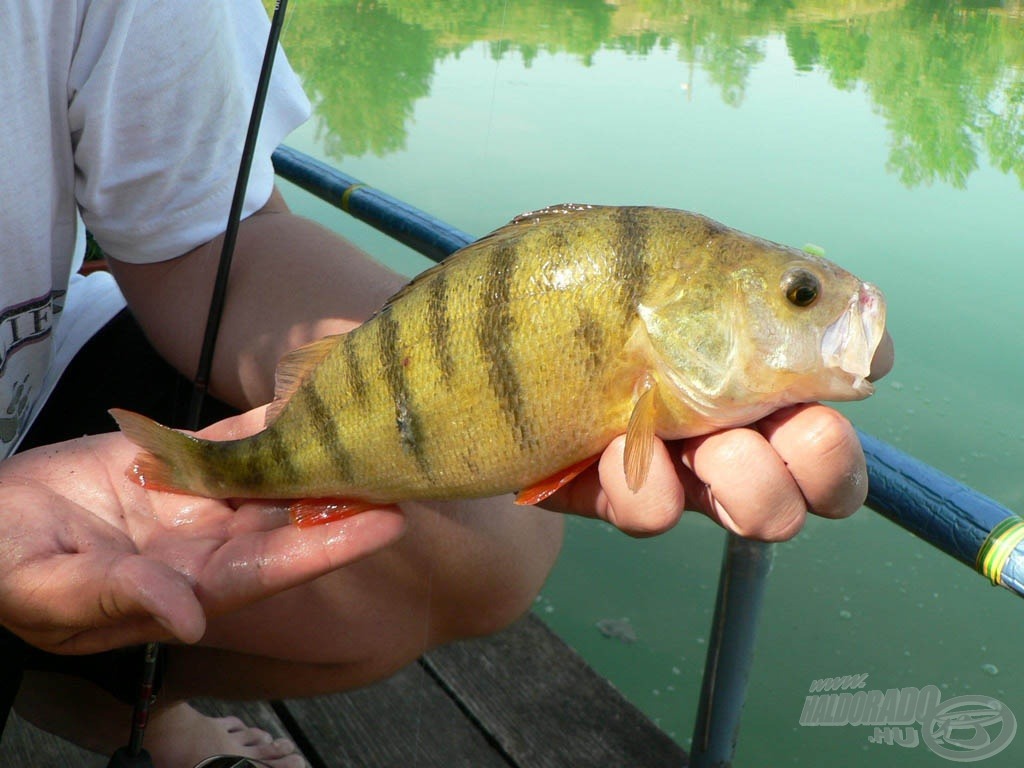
pixel 160 93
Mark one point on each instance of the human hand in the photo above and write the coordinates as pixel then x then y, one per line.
pixel 92 561
pixel 759 481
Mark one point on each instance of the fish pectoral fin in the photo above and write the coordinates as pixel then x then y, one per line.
pixel 548 486
pixel 639 450
pixel 293 369
pixel 305 513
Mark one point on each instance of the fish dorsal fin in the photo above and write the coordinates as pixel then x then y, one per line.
pixel 526 221
pixel 550 212
pixel 293 369
pixel 420 278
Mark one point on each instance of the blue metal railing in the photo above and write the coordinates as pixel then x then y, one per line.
pixel 954 518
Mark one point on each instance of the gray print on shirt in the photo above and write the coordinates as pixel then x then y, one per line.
pixel 13 412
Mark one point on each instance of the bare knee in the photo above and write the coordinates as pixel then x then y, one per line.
pixel 489 592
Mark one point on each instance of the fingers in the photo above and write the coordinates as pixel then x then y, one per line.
pixel 654 507
pixel 739 481
pixel 883 359
pixel 139 586
pixel 253 565
pixel 823 455
pixel 761 483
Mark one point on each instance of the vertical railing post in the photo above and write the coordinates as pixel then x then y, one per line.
pixel 741 585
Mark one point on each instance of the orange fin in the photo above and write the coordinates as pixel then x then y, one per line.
pixel 154 469
pixel 640 437
pixel 152 474
pixel 537 493
pixel 293 369
pixel 306 513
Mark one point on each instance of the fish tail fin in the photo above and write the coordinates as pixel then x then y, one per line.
pixel 166 457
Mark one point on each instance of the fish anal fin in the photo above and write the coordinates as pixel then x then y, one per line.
pixel 548 486
pixel 293 369
pixel 149 472
pixel 306 513
pixel 639 448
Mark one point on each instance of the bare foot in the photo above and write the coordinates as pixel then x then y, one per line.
pixel 179 736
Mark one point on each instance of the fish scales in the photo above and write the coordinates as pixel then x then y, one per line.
pixel 493 380
pixel 527 352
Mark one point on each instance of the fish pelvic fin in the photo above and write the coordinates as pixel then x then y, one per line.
pixel 164 449
pixel 550 485
pixel 639 449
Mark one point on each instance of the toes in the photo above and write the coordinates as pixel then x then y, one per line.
pixel 282 747
pixel 261 745
pixel 281 753
pixel 230 724
pixel 256 737
pixel 292 761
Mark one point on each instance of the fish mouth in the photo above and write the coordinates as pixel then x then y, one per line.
pixel 850 342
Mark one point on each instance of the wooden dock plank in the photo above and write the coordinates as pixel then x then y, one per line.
pixel 25 746
pixel 407 720
pixel 545 707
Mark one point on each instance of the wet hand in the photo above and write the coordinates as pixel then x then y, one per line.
pixel 93 562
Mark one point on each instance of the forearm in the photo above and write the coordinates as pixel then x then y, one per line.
pixel 292 281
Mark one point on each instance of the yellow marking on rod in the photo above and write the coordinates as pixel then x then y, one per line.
pixel 999 545
pixel 348 193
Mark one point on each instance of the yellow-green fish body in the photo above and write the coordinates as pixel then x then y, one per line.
pixel 531 349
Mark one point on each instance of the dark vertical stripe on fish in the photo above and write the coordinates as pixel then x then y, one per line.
pixel 590 336
pixel 247 468
pixel 281 457
pixel 354 370
pixel 407 421
pixel 630 270
pixel 495 334
pixel 324 430
pixel 440 330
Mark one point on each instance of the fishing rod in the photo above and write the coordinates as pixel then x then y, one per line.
pixel 201 383
pixel 133 755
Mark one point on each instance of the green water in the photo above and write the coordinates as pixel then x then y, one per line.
pixel 891 134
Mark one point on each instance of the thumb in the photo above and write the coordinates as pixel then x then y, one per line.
pixel 137 587
pixel 116 602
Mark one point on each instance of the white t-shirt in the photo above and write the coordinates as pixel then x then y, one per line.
pixel 131 114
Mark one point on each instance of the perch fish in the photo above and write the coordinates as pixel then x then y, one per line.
pixel 511 365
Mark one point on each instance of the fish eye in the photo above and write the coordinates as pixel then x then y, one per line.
pixel 801 287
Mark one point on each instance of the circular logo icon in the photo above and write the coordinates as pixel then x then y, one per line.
pixel 968 728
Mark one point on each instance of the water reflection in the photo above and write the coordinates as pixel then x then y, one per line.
pixel 947 77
